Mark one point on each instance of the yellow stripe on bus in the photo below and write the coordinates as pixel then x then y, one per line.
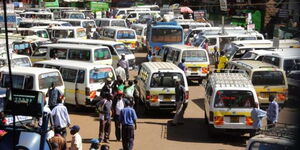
pixel 227 113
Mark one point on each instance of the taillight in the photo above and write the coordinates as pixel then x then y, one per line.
pixel 187 95
pixel 93 95
pixel 148 95
pixel 156 48
pixel 154 98
pixel 249 121
pixel 218 120
pixel 188 44
pixel 87 91
pixel 281 96
pixel 133 45
pixel 204 70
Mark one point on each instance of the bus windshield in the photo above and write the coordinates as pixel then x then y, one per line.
pixel 99 75
pixel 166 35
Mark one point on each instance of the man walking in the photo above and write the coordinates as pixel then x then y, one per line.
pixel 54 94
pixel 257 115
pixel 118 105
pixel 125 65
pixel 61 118
pixel 181 103
pixel 272 112
pixel 181 65
pixel 128 120
pixel 120 71
pixel 104 108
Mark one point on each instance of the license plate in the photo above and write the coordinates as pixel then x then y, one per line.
pixel 167 97
pixel 266 95
pixel 194 69
pixel 234 119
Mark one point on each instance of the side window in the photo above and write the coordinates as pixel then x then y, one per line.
pixel 212 41
pixel 101 54
pixel 40 52
pixel 132 16
pixel 69 75
pixel 60 53
pixel 260 58
pixel 28 82
pixel 272 60
pixel 80 76
pixel 52 67
pixel 82 55
pixel 176 56
pixel 143 74
pixel 170 55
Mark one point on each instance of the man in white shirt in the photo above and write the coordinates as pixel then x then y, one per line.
pixel 125 65
pixel 120 72
pixel 118 105
pixel 61 117
pixel 76 143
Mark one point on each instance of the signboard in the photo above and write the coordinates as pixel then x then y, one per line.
pixel 223 5
pixel 25 103
pixel 11 16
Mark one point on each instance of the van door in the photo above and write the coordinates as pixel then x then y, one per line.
pixel 143 76
pixel 69 76
pixel 115 57
pixel 40 54
pixel 80 86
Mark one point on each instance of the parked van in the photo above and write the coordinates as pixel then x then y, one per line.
pixel 73 15
pixel 78 52
pixel 33 31
pixel 81 22
pixel 28 23
pixel 135 15
pixel 103 22
pixel 119 13
pixel 141 32
pixel 119 34
pixel 82 80
pixel 29 78
pixel 196 60
pixel 38 15
pixel 16 60
pixel 68 32
pixel 266 79
pixel 116 49
pixel 156 84
pixel 229 100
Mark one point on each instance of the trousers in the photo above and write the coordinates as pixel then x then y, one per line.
pixel 180 109
pixel 117 127
pixel 127 137
pixel 104 129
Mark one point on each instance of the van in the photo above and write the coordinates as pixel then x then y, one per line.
pixel 33 31
pixel 116 49
pixel 82 80
pixel 135 15
pixel 119 34
pixel 28 23
pixel 229 100
pixel 81 22
pixel 196 60
pixel 29 78
pixel 119 13
pixel 79 52
pixel 38 15
pixel 141 32
pixel 16 60
pixel 103 22
pixel 68 32
pixel 73 15
pixel 266 79
pixel 156 85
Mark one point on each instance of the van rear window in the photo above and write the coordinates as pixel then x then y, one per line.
pixel 82 55
pixel 194 56
pixel 165 79
pixel 234 99
pixel 100 75
pixel 118 23
pixel 268 78
pixel 46 79
pixel 24 62
pixel 125 34
pixel 102 54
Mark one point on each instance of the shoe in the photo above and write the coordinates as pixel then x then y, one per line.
pixel 106 141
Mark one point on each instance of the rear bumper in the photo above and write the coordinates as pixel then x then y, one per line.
pixel 161 106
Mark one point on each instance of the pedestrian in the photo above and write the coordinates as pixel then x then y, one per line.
pixel 181 65
pixel 58 141
pixel 222 61
pixel 107 88
pixel 149 56
pixel 120 86
pixel 136 95
pixel 116 84
pixel 96 34
pixel 120 71
pixel 272 112
pixel 61 118
pixel 181 103
pixel 216 56
pixel 76 143
pixel 94 144
pixel 117 106
pixel 128 120
pixel 124 64
pixel 53 94
pixel 129 90
pixel 105 147
pixel 104 107
pixel 257 115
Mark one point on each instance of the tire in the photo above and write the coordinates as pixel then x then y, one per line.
pixel 199 81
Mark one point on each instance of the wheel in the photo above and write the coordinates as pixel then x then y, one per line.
pixel 199 81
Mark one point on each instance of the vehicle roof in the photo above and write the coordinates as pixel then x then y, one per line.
pixel 218 28
pixel 75 46
pixel 40 12
pixel 42 21
pixel 253 64
pixel 13 55
pixel 230 80
pixel 109 19
pixel 73 12
pixel 146 11
pixel 116 27
pixel 253 42
pixel 138 25
pixel 73 63
pixel 65 19
pixel 161 66
pixel 28 70
pixel 90 41
pixel 62 28
pixel 184 47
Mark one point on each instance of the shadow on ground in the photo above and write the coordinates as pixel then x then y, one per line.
pixel 199 102
pixel 195 130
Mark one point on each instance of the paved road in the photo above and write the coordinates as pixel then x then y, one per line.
pixel 154 131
